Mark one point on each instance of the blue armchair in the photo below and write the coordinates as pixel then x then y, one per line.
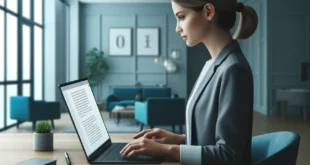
pixel 161 111
pixel 26 109
pixel 275 148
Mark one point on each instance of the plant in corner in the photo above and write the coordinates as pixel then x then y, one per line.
pixel 96 67
pixel 43 137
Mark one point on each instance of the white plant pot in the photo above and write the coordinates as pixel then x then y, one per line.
pixel 43 141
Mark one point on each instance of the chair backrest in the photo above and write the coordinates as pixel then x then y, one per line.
pixel 275 148
pixel 20 107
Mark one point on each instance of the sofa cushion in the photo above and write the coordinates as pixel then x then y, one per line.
pixel 126 93
pixel 156 92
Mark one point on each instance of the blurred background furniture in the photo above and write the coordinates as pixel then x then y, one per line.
pixel 127 96
pixel 295 97
pixel 24 108
pixel 275 148
pixel 161 111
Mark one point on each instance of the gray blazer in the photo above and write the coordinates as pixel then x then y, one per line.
pixel 219 117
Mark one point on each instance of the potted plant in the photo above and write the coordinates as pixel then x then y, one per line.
pixel 96 67
pixel 43 137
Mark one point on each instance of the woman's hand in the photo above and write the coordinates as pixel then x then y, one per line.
pixel 145 146
pixel 161 136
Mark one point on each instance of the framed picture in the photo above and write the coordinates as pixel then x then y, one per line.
pixel 148 41
pixel 120 41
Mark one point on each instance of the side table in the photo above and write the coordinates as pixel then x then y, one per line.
pixel 297 97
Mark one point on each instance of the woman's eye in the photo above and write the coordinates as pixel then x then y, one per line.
pixel 181 17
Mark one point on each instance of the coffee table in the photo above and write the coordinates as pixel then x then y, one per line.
pixel 122 112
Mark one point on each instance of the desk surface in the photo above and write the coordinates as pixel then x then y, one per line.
pixel 17 147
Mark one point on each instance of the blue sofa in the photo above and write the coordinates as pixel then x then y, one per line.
pixel 126 96
pixel 23 108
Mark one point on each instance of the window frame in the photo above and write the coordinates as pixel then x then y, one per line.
pixel 20 82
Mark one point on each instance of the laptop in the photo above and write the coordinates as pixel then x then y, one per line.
pixel 90 127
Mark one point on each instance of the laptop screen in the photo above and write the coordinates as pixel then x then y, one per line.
pixel 85 115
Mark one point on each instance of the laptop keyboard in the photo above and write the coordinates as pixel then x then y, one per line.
pixel 112 154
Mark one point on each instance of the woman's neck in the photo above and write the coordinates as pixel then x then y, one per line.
pixel 216 41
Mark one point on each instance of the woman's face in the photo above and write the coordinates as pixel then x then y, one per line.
pixel 192 26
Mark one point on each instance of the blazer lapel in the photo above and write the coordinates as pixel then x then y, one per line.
pixel 231 47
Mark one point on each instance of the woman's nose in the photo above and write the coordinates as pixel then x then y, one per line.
pixel 178 29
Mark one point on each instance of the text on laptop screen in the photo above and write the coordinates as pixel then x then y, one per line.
pixel 85 114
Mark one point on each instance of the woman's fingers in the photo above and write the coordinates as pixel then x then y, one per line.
pixel 136 152
pixel 131 148
pixel 150 134
pixel 127 145
pixel 142 133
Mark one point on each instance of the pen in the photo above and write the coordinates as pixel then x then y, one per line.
pixel 67 158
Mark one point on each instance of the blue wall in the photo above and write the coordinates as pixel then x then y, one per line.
pixel 277 49
pixel 289 46
pixel 97 19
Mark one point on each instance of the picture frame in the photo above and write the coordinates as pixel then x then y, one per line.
pixel 147 41
pixel 120 41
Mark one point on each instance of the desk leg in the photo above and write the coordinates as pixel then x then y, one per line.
pixel 283 106
pixel 304 114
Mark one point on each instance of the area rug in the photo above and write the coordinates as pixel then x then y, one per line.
pixel 125 126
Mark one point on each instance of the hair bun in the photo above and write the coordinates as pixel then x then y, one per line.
pixel 240 7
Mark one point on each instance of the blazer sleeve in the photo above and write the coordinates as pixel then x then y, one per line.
pixel 234 122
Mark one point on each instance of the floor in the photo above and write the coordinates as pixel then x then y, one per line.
pixel 261 125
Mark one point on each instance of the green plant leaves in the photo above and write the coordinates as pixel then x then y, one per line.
pixel 43 127
pixel 96 66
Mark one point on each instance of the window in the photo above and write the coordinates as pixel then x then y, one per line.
pixel 1 106
pixel 38 63
pixel 1 46
pixel 38 11
pixel 12 5
pixel 11 47
pixel 26 52
pixel 26 8
pixel 21 53
pixel 26 90
pixel 11 91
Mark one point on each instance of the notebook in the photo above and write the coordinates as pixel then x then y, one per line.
pixel 38 161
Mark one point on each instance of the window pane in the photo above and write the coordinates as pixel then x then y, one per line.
pixel 38 11
pixel 1 45
pixel 12 5
pixel 11 47
pixel 2 4
pixel 26 8
pixel 1 106
pixel 26 52
pixel 26 89
pixel 11 91
pixel 38 63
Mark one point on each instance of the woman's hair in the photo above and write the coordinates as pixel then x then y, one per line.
pixel 226 15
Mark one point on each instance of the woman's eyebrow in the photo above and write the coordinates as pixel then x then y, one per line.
pixel 178 13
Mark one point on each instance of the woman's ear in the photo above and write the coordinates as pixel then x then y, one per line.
pixel 209 11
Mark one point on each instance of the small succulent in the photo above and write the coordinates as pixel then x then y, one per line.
pixel 43 127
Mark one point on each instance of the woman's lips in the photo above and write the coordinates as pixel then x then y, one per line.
pixel 184 37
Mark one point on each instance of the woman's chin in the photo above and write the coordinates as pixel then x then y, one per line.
pixel 191 44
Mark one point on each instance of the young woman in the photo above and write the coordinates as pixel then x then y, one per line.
pixel 220 108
